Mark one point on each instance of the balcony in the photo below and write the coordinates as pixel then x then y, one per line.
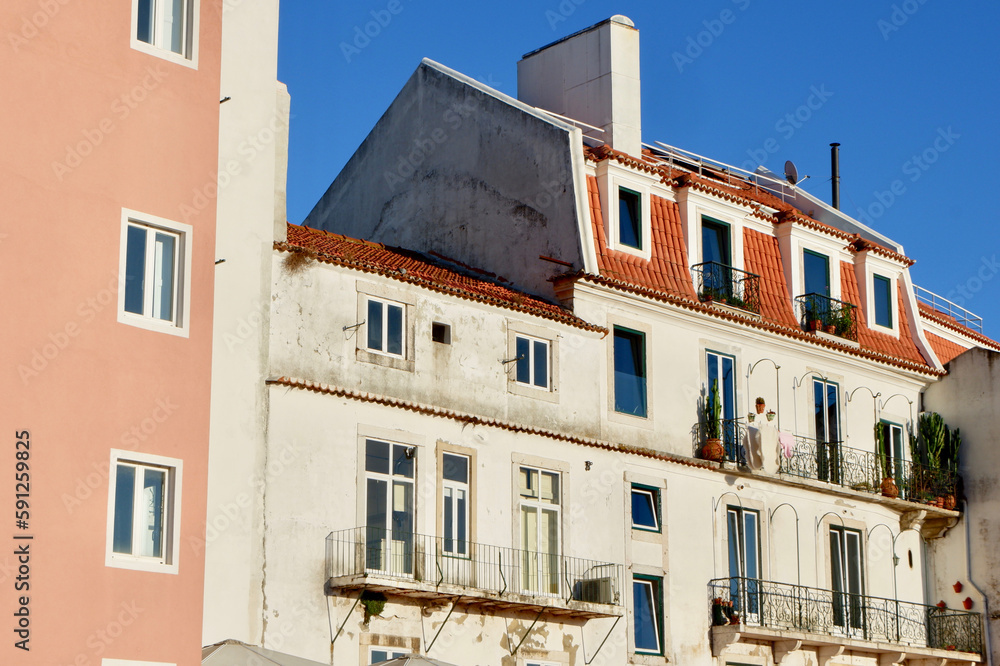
pixel 733 434
pixel 827 315
pixel 860 470
pixel 479 576
pixel 792 616
pixel 719 283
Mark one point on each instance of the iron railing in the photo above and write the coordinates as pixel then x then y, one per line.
pixel 783 606
pixel 727 285
pixel 953 310
pixel 862 470
pixel 829 314
pixel 733 433
pixel 493 570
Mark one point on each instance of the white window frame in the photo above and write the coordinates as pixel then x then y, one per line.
pixel 654 495
pixel 611 178
pixel 894 313
pixel 168 563
pixel 385 304
pixel 540 506
pixel 130 662
pixel 656 585
pixel 191 21
pixel 394 653
pixel 531 361
pixel 454 487
pixel 532 333
pixel 179 324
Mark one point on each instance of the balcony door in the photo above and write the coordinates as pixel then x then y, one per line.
pixel 816 273
pixel 715 249
pixel 826 403
pixel 744 562
pixel 389 471
pixel 847 579
pixel 721 369
pixel 540 542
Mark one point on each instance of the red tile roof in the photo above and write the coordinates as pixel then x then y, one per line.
pixel 419 269
pixel 666 277
pixel 762 257
pixel 876 341
pixel 666 269
pixel 945 349
pixel 951 323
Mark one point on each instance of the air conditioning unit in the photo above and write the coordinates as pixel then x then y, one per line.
pixel 596 591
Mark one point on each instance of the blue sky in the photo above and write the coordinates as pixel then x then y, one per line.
pixel 909 88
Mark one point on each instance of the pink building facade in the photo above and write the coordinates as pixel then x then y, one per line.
pixel 110 134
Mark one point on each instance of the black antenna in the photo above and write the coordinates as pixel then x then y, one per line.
pixel 835 168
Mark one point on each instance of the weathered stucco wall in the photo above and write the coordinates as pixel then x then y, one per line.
pixel 457 168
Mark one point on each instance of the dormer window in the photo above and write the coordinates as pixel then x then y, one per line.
pixel 629 218
pixel 816 272
pixel 882 293
pixel 715 242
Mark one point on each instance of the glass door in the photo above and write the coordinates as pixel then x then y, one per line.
pixel 847 580
pixel 389 507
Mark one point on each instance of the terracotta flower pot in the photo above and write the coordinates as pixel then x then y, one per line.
pixel 760 407
pixel 889 488
pixel 815 325
pixel 831 329
pixel 967 603
pixel 713 450
pixel 949 502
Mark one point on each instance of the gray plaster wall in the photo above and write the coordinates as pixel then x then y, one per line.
pixel 457 168
pixel 969 398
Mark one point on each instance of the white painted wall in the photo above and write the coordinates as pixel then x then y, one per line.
pixel 253 139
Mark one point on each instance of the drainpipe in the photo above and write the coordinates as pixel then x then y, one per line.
pixel 968 565
pixel 835 169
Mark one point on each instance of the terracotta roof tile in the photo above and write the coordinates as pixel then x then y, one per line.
pixel 422 270
pixel 951 323
pixel 945 349
pixel 667 267
pixel 762 256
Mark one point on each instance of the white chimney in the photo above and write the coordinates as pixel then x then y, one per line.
pixel 591 76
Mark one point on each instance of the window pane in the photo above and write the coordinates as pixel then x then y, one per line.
pixel 832 420
pixel 541 364
pixel 714 242
pixel 528 482
pixel 144 29
pixel 376 522
pixel 394 327
pixel 377 456
pixel 461 520
pixel 135 268
pixel 647 637
pixel 522 350
pixel 548 546
pixel 727 388
pixel 402 509
pixel 819 402
pixel 124 497
pixel 456 468
pixel 630 373
pixel 817 273
pixel 550 488
pixel 644 509
pixel 735 561
pixel 402 465
pixel 629 218
pixel 163 277
pixel 173 25
pixel 151 516
pixel 751 568
pixel 449 526
pixel 883 301
pixel 374 325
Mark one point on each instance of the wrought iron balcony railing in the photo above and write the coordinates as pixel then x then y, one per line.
pixel 861 470
pixel 783 606
pixel 491 570
pixel 818 312
pixel 733 433
pixel 725 284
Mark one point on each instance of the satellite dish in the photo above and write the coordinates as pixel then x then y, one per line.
pixel 791 173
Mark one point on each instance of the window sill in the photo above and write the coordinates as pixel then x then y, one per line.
pixel 396 362
pixel 119 561
pixel 150 324
pixel 532 391
pixel 648 659
pixel 164 54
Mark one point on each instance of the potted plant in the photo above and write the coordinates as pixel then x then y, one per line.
pixel 770 415
pixel 720 614
pixel 759 404
pixel 751 416
pixel 712 423
pixel 888 486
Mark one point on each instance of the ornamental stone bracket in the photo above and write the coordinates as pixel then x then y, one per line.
pixel 930 526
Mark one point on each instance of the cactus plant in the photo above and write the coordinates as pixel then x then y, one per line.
pixel 712 412
pixel 933 434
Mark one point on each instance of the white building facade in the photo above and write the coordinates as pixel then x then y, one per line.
pixel 488 447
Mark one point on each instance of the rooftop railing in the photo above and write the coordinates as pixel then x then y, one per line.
pixel 863 470
pixel 953 310
pixel 491 570
pixel 783 606
pixel 819 312
pixel 727 285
